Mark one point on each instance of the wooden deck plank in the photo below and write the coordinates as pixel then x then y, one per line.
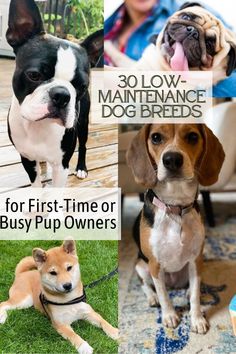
pixel 14 176
pixel 9 155
pixel 92 127
pixel 6 72
pixel 4 140
pixel 95 139
pixel 101 177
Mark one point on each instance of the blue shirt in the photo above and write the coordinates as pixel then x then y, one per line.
pixel 154 23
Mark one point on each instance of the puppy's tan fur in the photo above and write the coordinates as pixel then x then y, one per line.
pixel 47 272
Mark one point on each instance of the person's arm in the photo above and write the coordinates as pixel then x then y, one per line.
pixel 226 88
pixel 117 57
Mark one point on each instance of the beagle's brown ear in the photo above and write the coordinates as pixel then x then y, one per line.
pixel 212 158
pixel 231 66
pixel 139 161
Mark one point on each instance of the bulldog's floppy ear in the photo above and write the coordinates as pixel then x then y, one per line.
pixel 139 161
pixel 94 45
pixel 189 4
pixel 39 256
pixel 24 22
pixel 69 246
pixel 231 59
pixel 212 158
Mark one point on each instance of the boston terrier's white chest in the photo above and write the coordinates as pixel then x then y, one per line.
pixel 39 141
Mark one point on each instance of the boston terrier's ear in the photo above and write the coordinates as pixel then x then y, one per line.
pixel 189 4
pixel 94 45
pixel 24 22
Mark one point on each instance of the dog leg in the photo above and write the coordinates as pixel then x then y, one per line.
pixel 97 320
pixel 16 301
pixel 59 175
pixel 198 321
pixel 67 332
pixel 169 316
pixel 147 282
pixel 82 133
pixel 33 170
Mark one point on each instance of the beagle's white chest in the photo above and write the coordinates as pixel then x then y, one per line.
pixel 176 240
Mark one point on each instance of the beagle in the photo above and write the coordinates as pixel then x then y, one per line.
pixel 170 160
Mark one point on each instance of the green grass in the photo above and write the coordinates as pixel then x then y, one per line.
pixel 28 331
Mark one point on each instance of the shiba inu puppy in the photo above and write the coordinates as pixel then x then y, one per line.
pixel 51 282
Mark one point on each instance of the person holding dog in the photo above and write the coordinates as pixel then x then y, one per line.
pixel 132 25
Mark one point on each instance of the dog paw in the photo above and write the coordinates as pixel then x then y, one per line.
pixel 81 174
pixel 170 319
pixel 114 333
pixel 3 316
pixel 199 324
pixel 85 348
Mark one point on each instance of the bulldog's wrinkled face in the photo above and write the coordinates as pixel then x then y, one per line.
pixel 192 39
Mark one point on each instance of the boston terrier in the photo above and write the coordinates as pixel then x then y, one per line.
pixel 51 103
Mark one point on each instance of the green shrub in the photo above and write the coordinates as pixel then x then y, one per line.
pixel 86 17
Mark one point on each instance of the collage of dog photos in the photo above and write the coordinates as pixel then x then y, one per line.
pixel 117 177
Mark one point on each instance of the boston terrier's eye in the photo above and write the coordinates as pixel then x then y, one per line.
pixel 34 76
pixel 156 138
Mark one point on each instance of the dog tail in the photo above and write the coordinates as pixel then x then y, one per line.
pixel 24 265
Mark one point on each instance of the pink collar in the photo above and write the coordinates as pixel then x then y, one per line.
pixel 169 209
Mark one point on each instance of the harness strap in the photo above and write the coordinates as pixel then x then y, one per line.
pixel 44 301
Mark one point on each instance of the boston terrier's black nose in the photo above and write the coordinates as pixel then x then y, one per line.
pixel 67 286
pixel 60 96
pixel 173 161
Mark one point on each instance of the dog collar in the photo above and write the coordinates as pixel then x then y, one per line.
pixel 44 301
pixel 170 209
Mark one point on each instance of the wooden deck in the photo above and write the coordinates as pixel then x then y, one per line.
pixel 102 153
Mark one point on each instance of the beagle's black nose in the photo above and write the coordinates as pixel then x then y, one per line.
pixel 67 286
pixel 60 96
pixel 173 161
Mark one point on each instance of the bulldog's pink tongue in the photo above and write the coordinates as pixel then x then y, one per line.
pixel 179 62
